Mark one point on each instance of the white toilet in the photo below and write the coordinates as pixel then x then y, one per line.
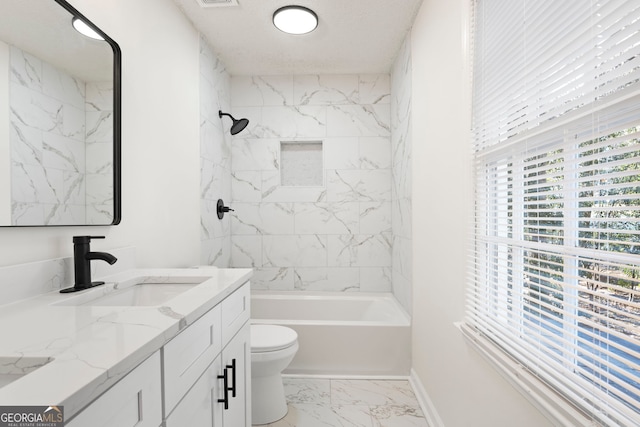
pixel 272 349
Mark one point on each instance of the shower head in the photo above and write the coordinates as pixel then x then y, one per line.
pixel 238 125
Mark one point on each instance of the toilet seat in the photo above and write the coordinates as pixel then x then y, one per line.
pixel 265 338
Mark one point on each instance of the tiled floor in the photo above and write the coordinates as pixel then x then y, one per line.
pixel 350 403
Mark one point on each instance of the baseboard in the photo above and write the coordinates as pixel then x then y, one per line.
pixel 427 406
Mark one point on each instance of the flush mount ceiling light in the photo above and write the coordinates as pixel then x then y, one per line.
pixel 84 29
pixel 295 20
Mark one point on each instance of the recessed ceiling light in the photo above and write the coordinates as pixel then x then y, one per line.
pixel 84 29
pixel 295 19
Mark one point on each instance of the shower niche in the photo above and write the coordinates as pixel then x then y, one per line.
pixel 301 164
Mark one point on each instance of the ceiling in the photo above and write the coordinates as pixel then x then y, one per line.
pixel 352 37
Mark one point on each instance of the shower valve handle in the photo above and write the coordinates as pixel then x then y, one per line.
pixel 221 209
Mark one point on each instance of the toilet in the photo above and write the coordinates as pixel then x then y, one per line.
pixel 272 349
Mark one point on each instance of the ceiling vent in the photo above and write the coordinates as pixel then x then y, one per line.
pixel 217 3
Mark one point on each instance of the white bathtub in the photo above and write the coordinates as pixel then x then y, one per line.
pixel 340 334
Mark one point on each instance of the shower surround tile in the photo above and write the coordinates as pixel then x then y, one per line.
pixel 327 233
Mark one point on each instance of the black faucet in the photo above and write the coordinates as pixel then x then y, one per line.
pixel 82 257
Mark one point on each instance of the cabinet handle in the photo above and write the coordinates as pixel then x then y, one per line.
pixel 225 400
pixel 233 377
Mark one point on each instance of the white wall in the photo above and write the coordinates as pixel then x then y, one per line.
pixel 160 141
pixel 463 388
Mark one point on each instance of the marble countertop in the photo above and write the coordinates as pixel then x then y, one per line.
pixel 85 349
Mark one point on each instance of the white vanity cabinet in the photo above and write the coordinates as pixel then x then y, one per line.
pixel 199 392
pixel 201 378
pixel 136 400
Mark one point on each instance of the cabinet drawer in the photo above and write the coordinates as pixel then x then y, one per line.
pixel 189 354
pixel 133 401
pixel 235 312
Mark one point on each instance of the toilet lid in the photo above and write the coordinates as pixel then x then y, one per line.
pixel 271 338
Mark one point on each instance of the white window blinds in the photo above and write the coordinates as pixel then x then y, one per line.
pixel 556 261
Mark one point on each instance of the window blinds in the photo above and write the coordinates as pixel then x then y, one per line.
pixel 556 261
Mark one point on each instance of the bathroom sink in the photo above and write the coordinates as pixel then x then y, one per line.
pixel 14 368
pixel 142 291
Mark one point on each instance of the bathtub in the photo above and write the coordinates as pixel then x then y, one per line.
pixel 340 334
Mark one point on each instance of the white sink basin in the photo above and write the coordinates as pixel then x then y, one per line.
pixel 141 291
pixel 14 368
pixel 143 294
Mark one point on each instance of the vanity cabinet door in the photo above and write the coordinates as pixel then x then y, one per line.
pixel 133 401
pixel 188 355
pixel 200 406
pixel 236 358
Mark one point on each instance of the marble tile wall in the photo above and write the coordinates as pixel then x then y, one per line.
pixel 215 159
pixel 401 142
pixel 60 144
pixel 99 152
pixel 331 237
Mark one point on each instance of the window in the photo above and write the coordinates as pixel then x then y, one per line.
pixel 556 122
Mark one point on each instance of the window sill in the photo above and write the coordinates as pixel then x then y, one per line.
pixel 553 406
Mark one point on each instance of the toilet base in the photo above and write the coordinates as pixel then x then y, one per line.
pixel 268 403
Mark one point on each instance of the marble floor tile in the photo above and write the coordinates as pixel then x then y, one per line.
pixel 350 403
pixel 372 392
pixel 397 416
pixel 305 390
pixel 311 415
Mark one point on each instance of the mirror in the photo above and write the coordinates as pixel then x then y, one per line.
pixel 59 118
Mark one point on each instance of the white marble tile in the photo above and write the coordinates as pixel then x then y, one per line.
pixel 272 191
pixel 26 144
pixel 262 90
pixel 74 188
pixel 359 185
pixel 61 85
pixel 63 153
pixel 342 153
pixel 32 183
pixel 294 122
pixel 398 416
pixel 101 188
pixel 294 251
pixel 307 390
pixel 35 110
pixel 272 278
pixel 376 279
pixel 358 120
pixel 375 217
pixel 26 69
pixel 312 415
pixel 99 126
pixel 359 250
pixel 99 96
pixel 327 279
pixel 374 152
pixel 372 392
pixel 246 251
pixel 326 218
pixel 255 154
pixel 246 186
pixel 262 218
pixel 325 89
pixel 26 213
pixel 374 89
pixel 99 157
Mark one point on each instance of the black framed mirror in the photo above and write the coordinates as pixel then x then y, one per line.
pixel 61 127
